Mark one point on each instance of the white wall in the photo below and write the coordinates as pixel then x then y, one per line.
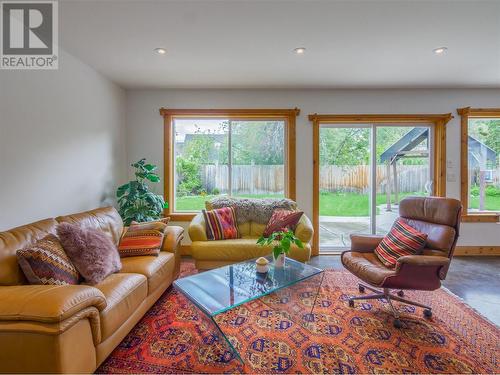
pixel 62 141
pixel 145 125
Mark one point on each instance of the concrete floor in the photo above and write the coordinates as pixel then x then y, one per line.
pixel 474 279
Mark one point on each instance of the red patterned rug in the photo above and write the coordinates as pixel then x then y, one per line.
pixel 172 337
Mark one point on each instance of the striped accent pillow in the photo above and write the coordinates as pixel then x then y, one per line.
pixel 46 263
pixel 282 220
pixel 221 224
pixel 143 239
pixel 401 240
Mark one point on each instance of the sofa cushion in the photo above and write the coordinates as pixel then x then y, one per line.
pixel 46 263
pixel 142 239
pixel 106 219
pixel 15 239
pixel 156 269
pixel 282 220
pixel 401 240
pixel 240 250
pixel 221 224
pixel 92 251
pixel 366 266
pixel 124 292
pixel 257 229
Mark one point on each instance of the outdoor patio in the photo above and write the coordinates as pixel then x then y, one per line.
pixel 335 230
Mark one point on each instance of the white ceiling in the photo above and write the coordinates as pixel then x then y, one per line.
pixel 249 43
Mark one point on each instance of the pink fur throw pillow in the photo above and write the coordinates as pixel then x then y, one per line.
pixel 92 252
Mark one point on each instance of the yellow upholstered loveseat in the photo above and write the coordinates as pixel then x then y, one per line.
pixel 212 254
pixel 73 328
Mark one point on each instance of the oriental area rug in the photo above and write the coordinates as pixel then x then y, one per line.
pixel 173 338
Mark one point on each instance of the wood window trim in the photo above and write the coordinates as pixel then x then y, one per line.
pixel 466 113
pixel 439 145
pixel 289 115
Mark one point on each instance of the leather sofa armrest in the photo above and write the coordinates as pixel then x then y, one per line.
pixel 364 243
pixel 423 260
pixel 172 244
pixel 173 236
pixel 304 230
pixel 196 228
pixel 47 303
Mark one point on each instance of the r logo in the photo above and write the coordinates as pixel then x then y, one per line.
pixel 27 28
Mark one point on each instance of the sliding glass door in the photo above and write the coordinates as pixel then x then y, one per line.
pixel 364 172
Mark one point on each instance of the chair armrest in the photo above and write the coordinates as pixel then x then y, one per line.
pixel 422 272
pixel 197 227
pixel 47 303
pixel 423 260
pixel 304 230
pixel 365 243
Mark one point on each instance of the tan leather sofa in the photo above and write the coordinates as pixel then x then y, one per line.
pixel 212 254
pixel 73 328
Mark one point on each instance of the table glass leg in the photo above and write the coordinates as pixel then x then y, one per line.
pixel 213 335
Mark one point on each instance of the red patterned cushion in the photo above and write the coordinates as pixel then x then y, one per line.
pixel 400 241
pixel 221 224
pixel 143 239
pixel 282 220
pixel 46 263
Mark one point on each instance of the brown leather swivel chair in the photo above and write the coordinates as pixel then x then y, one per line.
pixel 439 218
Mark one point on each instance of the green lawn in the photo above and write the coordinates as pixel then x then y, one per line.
pixel 351 204
pixel 331 204
pixel 492 202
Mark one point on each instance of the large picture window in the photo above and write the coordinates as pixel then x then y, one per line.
pixel 227 152
pixel 480 165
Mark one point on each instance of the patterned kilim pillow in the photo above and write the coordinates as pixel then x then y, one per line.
pixel 282 220
pixel 143 239
pixel 400 241
pixel 46 263
pixel 221 224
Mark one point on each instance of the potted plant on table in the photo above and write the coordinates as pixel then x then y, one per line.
pixel 136 202
pixel 281 241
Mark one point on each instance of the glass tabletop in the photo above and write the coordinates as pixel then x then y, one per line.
pixel 221 289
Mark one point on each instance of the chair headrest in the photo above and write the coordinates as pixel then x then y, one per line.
pixel 445 211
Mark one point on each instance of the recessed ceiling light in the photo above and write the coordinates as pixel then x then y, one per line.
pixel 440 50
pixel 299 50
pixel 160 51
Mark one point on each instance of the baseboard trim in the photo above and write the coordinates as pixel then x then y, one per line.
pixel 477 250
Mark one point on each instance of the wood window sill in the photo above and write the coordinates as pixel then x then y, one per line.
pixel 481 218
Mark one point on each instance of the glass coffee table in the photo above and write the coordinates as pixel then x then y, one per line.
pixel 292 289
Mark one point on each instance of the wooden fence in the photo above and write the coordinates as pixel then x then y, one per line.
pixel 269 179
pixel 246 179
pixel 411 178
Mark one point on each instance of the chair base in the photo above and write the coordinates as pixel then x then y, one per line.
pixel 388 296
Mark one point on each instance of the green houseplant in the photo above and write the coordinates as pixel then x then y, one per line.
pixel 136 202
pixel 282 240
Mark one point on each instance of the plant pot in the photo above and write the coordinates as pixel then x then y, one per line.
pixel 279 262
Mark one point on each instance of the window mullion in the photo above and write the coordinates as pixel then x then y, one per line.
pixel 373 179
